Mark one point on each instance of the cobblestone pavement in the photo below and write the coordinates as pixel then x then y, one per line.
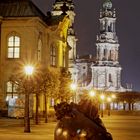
pixel 121 127
pixel 12 129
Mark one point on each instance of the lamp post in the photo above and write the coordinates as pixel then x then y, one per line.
pixel 102 97
pixel 113 96
pixel 74 87
pixel 108 103
pixel 28 72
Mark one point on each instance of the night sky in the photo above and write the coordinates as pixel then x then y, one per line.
pixel 128 32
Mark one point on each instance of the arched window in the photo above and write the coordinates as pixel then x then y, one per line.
pixel 105 54
pixel 110 78
pixel 39 50
pixel 53 55
pixel 98 53
pixel 110 56
pixel 14 47
pixel 11 87
pixel 64 59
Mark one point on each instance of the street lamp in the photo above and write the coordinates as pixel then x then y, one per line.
pixel 74 87
pixel 92 93
pixel 113 96
pixel 28 70
pixel 109 99
pixel 102 97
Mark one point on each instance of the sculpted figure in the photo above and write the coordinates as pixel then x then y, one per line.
pixel 79 121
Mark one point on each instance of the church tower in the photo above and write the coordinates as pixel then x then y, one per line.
pixel 106 72
pixel 71 39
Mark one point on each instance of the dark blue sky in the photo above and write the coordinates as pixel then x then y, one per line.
pixel 128 31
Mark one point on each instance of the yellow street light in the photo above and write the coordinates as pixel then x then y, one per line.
pixel 29 70
pixel 109 99
pixel 102 97
pixel 92 93
pixel 74 87
pixel 113 96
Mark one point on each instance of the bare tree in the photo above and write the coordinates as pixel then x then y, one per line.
pixel 50 87
pixel 65 81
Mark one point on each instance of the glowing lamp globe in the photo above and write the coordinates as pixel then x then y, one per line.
pixel 29 70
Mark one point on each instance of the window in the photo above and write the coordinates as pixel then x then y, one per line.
pixel 13 47
pixel 105 54
pixel 39 49
pixel 110 56
pixel 110 78
pixel 98 53
pixel 84 67
pixel 53 56
pixel 64 59
pixel 11 87
pixel 52 102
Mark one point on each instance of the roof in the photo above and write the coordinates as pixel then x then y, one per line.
pixel 19 8
pixel 85 59
pixel 26 8
pixel 63 0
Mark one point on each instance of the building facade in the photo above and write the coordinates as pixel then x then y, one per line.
pixel 27 36
pixel 84 73
pixel 104 69
pixel 67 5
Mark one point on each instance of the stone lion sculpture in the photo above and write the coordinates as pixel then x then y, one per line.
pixel 79 121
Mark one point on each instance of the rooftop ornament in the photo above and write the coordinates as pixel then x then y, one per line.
pixel 107 4
pixel 64 8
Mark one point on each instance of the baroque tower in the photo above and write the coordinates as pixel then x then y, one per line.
pixel 71 39
pixel 106 72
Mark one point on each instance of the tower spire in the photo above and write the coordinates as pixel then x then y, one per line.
pixel 107 10
pixel 107 70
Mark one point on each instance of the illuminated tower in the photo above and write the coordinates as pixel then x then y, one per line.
pixel 106 72
pixel 57 10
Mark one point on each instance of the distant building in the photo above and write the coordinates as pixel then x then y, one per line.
pixel 84 73
pixel 103 72
pixel 106 70
pixel 29 36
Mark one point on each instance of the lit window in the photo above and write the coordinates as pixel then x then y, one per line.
pixel 53 56
pixel 52 102
pixel 11 87
pixel 13 47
